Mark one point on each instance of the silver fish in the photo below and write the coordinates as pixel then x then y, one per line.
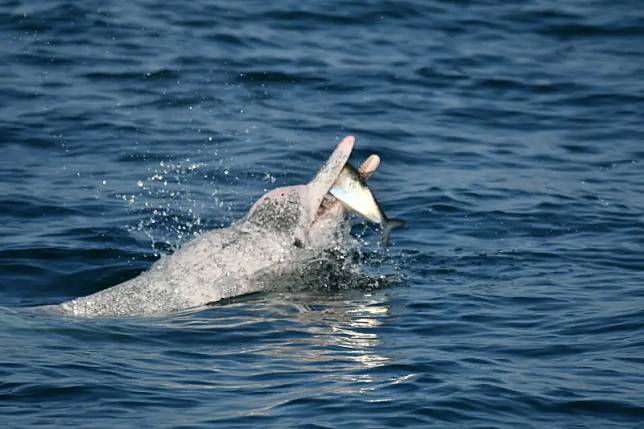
pixel 355 195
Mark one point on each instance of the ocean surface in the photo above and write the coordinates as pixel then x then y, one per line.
pixel 512 142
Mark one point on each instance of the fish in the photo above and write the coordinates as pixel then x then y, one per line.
pixel 352 191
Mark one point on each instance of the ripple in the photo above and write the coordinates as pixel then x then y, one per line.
pixel 161 75
pixel 580 30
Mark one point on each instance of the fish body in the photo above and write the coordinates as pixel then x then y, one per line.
pixel 355 195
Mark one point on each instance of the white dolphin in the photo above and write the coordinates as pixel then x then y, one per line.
pixel 283 228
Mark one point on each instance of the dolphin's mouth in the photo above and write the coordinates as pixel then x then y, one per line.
pixel 331 207
pixel 324 206
pixel 329 202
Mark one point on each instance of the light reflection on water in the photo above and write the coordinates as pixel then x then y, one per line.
pixel 340 340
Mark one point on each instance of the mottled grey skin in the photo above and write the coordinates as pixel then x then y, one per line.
pixel 284 227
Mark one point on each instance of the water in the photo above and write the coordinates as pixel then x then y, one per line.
pixel 511 139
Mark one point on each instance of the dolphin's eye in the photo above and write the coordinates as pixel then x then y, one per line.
pixel 298 243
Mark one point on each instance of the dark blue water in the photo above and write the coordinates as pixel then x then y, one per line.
pixel 512 142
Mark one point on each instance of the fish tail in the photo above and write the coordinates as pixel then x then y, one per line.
pixel 387 226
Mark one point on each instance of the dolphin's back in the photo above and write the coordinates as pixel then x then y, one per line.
pixel 217 265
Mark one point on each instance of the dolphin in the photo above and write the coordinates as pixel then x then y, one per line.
pixel 284 228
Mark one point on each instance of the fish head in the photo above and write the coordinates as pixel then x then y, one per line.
pixel 306 214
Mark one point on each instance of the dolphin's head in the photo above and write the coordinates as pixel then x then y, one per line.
pixel 307 214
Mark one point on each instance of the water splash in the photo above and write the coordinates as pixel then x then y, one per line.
pixel 170 205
